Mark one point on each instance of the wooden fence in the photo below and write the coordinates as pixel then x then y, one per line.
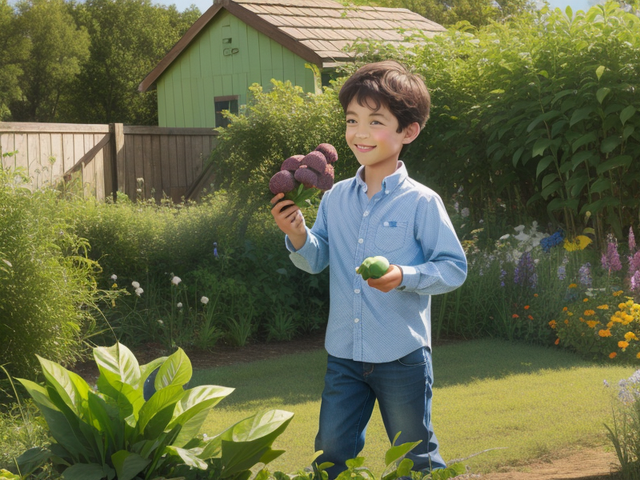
pixel 142 162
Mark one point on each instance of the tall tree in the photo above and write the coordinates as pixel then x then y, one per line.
pixel 128 39
pixel 58 47
pixel 14 49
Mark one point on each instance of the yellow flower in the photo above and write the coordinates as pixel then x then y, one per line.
pixel 603 307
pixel 613 355
pixel 573 285
pixel 585 300
pixel 638 355
pixel 622 344
pixel 114 286
pixel 552 324
pixel 588 313
pixel 618 293
pixel 566 321
pixel 621 306
pixel 610 324
pixel 570 314
pixel 605 333
pixel 579 243
pixel 630 336
pixel 592 323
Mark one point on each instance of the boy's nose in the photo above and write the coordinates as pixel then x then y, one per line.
pixel 362 135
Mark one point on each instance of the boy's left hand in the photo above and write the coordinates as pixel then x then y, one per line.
pixel 389 281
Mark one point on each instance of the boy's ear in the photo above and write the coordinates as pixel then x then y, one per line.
pixel 411 133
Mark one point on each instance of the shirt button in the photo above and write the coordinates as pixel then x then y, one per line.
pixel 387 192
pixel 357 290
pixel 386 224
pixel 356 320
pixel 360 240
pixel 365 214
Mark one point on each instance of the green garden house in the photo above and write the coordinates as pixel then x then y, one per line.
pixel 237 43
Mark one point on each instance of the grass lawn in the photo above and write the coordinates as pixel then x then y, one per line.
pixel 487 394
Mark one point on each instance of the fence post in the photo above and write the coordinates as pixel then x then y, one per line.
pixel 117 157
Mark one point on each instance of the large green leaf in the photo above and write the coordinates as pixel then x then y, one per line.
pixel 176 370
pixel 551 189
pixel 540 146
pixel 609 144
pixel 543 164
pixel 120 361
pixel 580 115
pixel 581 157
pixel 106 418
pixel 602 93
pixel 128 464
pixel 72 388
pixel 600 185
pixel 615 162
pixel 545 117
pixel 396 452
pixel 627 113
pixel 146 370
pixel 159 401
pixel 189 457
pixel 33 459
pixel 517 155
pixel 583 140
pixel 129 399
pixel 88 471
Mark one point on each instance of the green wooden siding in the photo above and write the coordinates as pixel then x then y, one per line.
pixel 186 90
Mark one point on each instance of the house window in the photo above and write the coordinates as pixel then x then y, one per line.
pixel 229 102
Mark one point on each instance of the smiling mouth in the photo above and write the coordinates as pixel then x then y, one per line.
pixel 364 148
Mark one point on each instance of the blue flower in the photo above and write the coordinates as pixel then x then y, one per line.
pixel 552 241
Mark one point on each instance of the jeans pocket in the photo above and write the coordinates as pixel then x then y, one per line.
pixel 414 359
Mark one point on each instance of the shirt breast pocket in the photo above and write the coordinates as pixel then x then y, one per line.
pixel 391 235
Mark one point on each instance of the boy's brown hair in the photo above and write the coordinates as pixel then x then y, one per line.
pixel 390 84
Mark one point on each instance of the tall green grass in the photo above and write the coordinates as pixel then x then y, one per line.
pixel 488 394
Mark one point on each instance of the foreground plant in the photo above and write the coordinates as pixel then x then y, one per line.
pixel 112 432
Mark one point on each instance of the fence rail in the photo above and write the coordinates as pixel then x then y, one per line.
pixel 142 162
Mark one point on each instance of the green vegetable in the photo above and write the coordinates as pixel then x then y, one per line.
pixel 373 267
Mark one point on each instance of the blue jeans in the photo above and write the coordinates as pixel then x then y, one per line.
pixel 403 390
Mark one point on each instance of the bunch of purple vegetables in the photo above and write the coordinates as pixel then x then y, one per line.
pixel 301 177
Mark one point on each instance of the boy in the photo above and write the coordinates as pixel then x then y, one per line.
pixel 379 331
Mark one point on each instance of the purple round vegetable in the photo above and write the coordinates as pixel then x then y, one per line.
pixel 316 161
pixel 325 180
pixel 306 176
pixel 329 151
pixel 282 182
pixel 292 163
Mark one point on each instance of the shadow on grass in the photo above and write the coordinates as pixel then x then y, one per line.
pixel 298 378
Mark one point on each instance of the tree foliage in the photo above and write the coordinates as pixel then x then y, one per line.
pixel 14 49
pixel 57 49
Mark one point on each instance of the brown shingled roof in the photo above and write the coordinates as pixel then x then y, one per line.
pixel 315 30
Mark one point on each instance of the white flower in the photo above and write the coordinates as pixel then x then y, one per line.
pixel 139 291
pixel 176 280
pixel 114 277
pixel 204 300
pixel 135 284
pixel 504 237
pixel 519 228
pixel 179 305
pixel 160 322
pixel 464 212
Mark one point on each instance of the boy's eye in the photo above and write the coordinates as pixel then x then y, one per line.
pixel 350 120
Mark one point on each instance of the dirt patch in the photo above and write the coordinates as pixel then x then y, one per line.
pixel 581 464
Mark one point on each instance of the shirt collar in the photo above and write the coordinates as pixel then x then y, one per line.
pixel 390 182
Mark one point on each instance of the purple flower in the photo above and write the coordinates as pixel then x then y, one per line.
pixel 611 261
pixel 503 274
pixel 585 274
pixel 634 264
pixel 635 281
pixel 632 240
pixel 525 272
pixel 562 272
pixel 215 249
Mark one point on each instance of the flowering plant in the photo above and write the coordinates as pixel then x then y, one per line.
pixel 601 325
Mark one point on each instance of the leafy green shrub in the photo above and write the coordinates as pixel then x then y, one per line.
pixel 47 284
pixel 114 432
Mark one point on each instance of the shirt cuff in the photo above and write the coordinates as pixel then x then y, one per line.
pixel 410 278
pixel 290 246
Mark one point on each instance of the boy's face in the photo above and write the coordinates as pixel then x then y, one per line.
pixel 373 135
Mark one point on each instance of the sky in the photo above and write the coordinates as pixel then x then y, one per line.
pixel 203 5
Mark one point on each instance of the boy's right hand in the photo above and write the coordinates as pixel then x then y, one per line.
pixel 290 220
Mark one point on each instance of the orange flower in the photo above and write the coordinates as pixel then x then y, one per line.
pixel 605 333
pixel 592 323
pixel 515 315
pixel 558 341
pixel 566 321
pixel 552 324
pixel 622 344
pixel 585 300
pixel 535 295
pixel 588 313
pixel 526 307
pixel 565 309
pixel 638 355
pixel 603 307
pixel 613 355
pixel 530 317
pixel 573 285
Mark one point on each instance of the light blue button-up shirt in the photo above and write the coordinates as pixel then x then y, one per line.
pixel 405 222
